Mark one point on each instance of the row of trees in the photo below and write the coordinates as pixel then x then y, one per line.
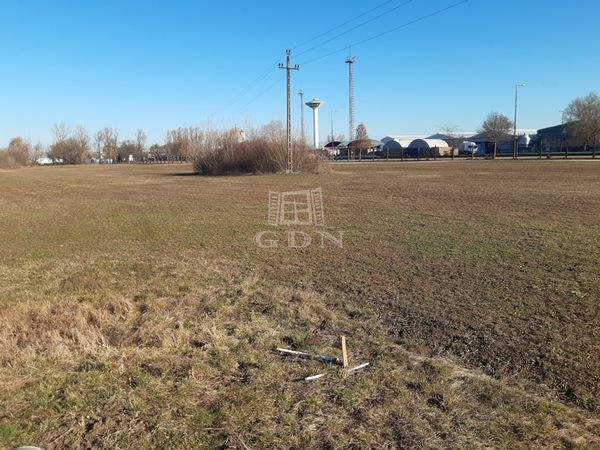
pixel 109 148
pixel 74 146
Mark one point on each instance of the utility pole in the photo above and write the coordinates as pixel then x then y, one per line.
pixel 303 136
pixel 288 68
pixel 350 61
pixel 515 143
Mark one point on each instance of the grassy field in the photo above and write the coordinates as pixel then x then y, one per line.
pixel 138 312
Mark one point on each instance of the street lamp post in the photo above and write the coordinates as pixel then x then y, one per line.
pixel 302 135
pixel 332 135
pixel 515 143
pixel 333 148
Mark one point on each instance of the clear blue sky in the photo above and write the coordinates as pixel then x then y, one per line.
pixel 158 64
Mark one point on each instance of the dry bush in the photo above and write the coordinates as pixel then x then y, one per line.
pixel 19 150
pixel 221 153
pixel 6 160
pixel 16 155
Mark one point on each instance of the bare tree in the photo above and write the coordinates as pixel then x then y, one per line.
pixel 276 141
pixel 82 137
pixel 69 146
pixel 496 128
pixel 338 137
pixel 184 142
pixel 107 141
pixel 37 151
pixel 273 130
pixel 362 142
pixel 61 131
pixel 584 115
pixel 453 137
pixel 70 149
pixel 140 143
pixel 18 151
pixel 361 132
pixel 67 151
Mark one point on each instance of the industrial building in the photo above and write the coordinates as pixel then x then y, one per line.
pixel 395 147
pixel 357 149
pixel 558 139
pixel 427 148
pixel 392 147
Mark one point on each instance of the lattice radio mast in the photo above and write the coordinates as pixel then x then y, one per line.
pixel 350 61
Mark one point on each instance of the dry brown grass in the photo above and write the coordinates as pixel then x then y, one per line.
pixel 137 311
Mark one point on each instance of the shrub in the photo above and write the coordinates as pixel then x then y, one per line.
pixel 6 160
pixel 16 155
pixel 220 153
pixel 69 150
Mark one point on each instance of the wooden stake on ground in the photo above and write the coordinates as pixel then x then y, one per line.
pixel 362 366
pixel 315 377
pixel 344 353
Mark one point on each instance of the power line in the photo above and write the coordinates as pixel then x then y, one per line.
pixel 377 36
pixel 427 16
pixel 372 19
pixel 331 30
pixel 259 79
pixel 262 93
pixel 272 67
pixel 251 85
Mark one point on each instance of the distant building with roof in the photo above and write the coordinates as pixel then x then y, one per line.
pixel 427 148
pixel 403 137
pixel 395 147
pixel 560 139
pixel 334 148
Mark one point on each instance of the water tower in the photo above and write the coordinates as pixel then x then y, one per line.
pixel 315 104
